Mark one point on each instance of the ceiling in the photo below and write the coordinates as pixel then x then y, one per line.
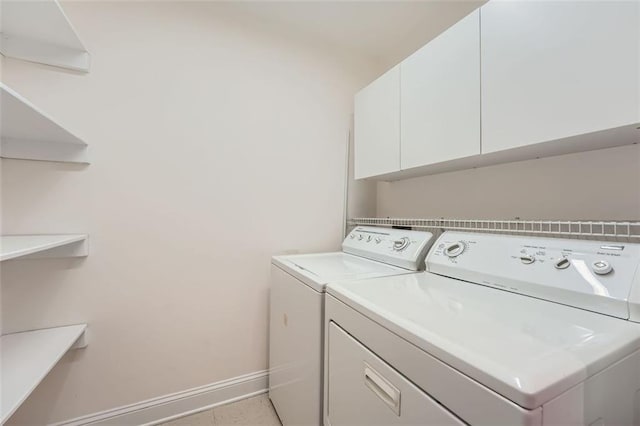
pixel 384 31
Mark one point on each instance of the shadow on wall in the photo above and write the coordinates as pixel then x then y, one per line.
pixel 594 185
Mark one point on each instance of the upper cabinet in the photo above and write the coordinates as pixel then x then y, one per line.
pixel 425 110
pixel 440 97
pixel 553 70
pixel 512 81
pixel 377 126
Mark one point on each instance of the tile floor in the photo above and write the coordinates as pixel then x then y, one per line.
pixel 248 412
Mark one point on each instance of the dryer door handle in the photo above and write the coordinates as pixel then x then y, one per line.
pixel 382 388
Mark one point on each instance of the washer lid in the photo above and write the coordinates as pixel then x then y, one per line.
pixel 316 270
pixel 525 349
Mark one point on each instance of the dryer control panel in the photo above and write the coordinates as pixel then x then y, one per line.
pixel 597 276
pixel 403 248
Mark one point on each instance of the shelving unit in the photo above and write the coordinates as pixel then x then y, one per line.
pixel 38 246
pixel 28 133
pixel 598 230
pixel 28 357
pixel 39 31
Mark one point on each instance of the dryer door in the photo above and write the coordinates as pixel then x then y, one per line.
pixel 365 390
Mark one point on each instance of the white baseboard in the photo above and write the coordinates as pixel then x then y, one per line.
pixel 168 407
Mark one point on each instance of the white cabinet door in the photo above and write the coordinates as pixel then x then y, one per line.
pixel 440 97
pixel 377 126
pixel 555 69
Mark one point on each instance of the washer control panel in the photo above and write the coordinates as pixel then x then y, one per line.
pixel 592 275
pixel 398 247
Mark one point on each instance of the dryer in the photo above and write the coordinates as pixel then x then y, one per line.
pixel 501 330
pixel 297 310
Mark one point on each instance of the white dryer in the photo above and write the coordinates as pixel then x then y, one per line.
pixel 501 330
pixel 297 310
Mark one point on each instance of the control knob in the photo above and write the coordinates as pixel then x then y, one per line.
pixel 601 267
pixel 455 249
pixel 360 237
pixel 562 263
pixel 401 244
pixel 378 240
pixel 527 259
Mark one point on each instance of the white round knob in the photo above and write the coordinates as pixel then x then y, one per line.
pixel 527 259
pixel 378 240
pixel 352 236
pixel 455 249
pixel 601 267
pixel 562 263
pixel 401 244
pixel 360 237
pixel 368 238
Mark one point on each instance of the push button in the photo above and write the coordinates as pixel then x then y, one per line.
pixel 601 267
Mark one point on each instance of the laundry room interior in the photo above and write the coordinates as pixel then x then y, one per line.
pixel 312 212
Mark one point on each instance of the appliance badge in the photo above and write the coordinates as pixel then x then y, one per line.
pixel 612 247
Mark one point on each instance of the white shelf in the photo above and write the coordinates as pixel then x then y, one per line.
pixel 37 246
pixel 28 133
pixel 590 229
pixel 39 31
pixel 28 357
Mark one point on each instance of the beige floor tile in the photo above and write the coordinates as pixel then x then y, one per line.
pixel 204 418
pixel 248 412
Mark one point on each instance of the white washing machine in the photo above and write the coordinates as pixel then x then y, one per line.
pixel 297 310
pixel 501 330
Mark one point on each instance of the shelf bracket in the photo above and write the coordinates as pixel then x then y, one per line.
pixel 82 341
pixel 44 53
pixel 77 249
pixel 44 151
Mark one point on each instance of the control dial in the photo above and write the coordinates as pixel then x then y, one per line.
pixel 527 259
pixel 401 244
pixel 601 267
pixel 455 249
pixel 360 237
pixel 562 263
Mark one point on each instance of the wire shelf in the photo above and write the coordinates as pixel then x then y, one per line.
pixel 600 230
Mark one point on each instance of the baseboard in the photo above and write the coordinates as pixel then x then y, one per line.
pixel 168 407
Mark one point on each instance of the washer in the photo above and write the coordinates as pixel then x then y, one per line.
pixel 501 330
pixel 297 310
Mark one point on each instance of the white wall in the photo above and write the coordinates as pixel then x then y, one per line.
pixel 600 185
pixel 362 196
pixel 215 143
